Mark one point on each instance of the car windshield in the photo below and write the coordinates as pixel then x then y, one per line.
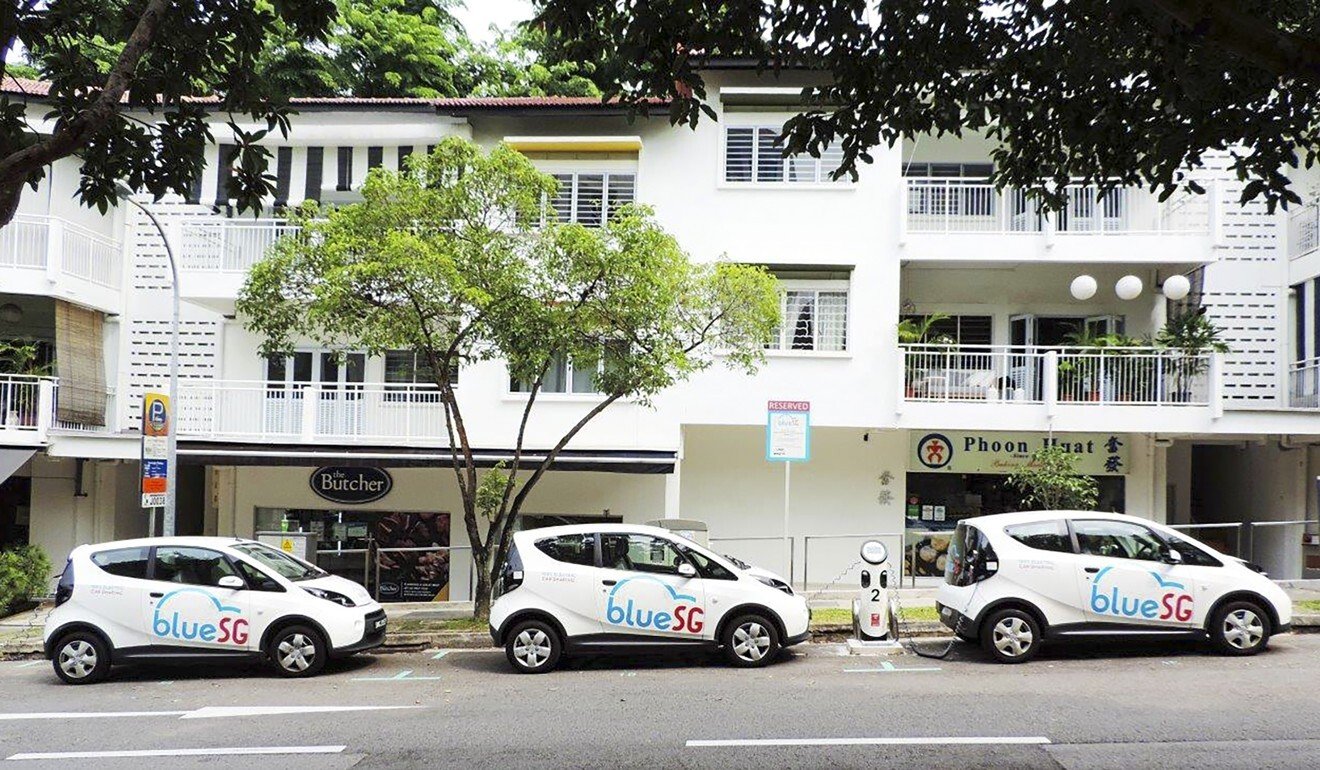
pixel 739 563
pixel 279 561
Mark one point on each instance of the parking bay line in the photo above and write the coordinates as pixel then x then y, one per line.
pixel 402 676
pixel 234 750
pixel 889 668
pixel 945 740
pixel 205 712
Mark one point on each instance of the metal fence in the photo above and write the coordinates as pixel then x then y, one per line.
pixel 365 565
pixel 1304 384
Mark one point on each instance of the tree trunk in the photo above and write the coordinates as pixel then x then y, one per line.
pixel 481 593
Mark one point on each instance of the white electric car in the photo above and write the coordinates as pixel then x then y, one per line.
pixel 1015 580
pixel 184 598
pixel 624 588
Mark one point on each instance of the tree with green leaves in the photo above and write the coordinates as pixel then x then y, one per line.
pixel 516 64
pixel 1050 481
pixel 450 259
pixel 1121 92
pixel 110 63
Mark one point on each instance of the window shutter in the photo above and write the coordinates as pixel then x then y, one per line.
pixel 622 190
pixel 738 154
pixel 80 364
pixel 562 203
pixel 283 170
pixel 315 164
pixel 769 156
pixel 375 157
pixel 590 200
pixel 345 178
pixel 404 152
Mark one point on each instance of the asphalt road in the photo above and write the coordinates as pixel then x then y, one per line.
pixel 1153 706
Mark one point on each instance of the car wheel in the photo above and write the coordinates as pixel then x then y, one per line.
pixel 533 647
pixel 1240 628
pixel 81 657
pixel 297 651
pixel 750 641
pixel 1011 636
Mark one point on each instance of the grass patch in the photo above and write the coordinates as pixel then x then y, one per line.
pixel 842 616
pixel 1307 605
pixel 452 624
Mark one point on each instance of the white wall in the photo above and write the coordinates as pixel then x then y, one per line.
pixel 61 520
pixel 1255 482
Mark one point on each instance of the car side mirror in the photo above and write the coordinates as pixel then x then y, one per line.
pixel 231 581
pixel 1171 556
pixel 687 570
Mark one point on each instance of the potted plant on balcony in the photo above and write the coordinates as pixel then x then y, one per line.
pixel 19 357
pixel 919 330
pixel 1189 334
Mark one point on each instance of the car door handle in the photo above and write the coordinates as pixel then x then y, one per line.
pixel 609 582
pixel 1092 570
pixel 157 594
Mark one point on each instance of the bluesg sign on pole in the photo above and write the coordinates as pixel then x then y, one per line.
pixel 788 431
pixel 156 429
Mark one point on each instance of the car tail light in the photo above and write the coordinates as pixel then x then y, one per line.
pixel 64 590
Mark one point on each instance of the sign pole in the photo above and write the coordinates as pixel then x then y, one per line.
pixel 788 539
pixel 788 440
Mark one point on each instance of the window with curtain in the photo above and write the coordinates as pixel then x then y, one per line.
pixel 756 154
pixel 814 318
pixel 591 198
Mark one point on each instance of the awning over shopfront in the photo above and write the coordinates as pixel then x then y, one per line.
pixel 600 461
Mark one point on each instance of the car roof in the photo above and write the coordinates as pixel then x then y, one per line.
pixel 196 542
pixel 1022 517
pixel 582 529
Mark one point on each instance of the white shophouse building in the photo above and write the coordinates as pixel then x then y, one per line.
pixel 905 439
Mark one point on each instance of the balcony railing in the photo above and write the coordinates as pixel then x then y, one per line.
pixel 228 245
pixel 1049 375
pixel 1303 230
pixel 27 407
pixel 308 412
pixel 1304 384
pixel 47 243
pixel 935 205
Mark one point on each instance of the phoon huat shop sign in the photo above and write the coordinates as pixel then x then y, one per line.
pixel 1099 454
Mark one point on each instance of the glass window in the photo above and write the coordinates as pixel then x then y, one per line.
pixel 706 566
pixel 570 549
pixel 1191 554
pixel 409 372
pixel 191 566
pixel 564 376
pixel 639 553
pixel 756 154
pixel 1042 535
pixel 125 562
pixel 279 561
pixel 813 319
pixel 257 579
pixel 1118 540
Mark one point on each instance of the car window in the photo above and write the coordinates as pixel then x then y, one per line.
pixel 639 553
pixel 1191 554
pixel 191 566
pixel 1117 539
pixel 706 566
pixel 278 561
pixel 1049 535
pixel 570 549
pixel 257 579
pixel 124 562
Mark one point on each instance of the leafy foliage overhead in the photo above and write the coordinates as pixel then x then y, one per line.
pixel 1120 92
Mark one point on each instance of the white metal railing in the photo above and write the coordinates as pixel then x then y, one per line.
pixel 228 245
pixel 27 405
pixel 307 412
pixel 48 243
pixel 1303 230
pixel 941 205
pixel 1304 384
pixel 1034 375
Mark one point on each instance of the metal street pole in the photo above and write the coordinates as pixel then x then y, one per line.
pixel 171 440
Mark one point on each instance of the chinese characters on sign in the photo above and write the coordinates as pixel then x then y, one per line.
pixel 788 431
pixel 156 429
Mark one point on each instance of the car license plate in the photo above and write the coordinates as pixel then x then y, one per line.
pixel 946 612
pixel 380 624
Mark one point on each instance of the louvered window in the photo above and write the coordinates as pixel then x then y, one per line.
pixel 813 318
pixel 590 199
pixel 756 154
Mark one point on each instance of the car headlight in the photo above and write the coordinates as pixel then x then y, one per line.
pixel 329 596
pixel 776 584
pixel 1255 568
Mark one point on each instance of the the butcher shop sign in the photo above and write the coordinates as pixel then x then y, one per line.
pixel 351 485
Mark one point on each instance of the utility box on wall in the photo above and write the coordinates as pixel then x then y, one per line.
pixel 299 544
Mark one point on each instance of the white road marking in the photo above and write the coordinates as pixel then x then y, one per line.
pixel 88 715
pixel 205 712
pixel 886 667
pixel 439 655
pixel 947 740
pixel 236 750
pixel 402 676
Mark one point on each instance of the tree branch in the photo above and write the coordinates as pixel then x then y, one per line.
pixel 1257 41
pixel 70 135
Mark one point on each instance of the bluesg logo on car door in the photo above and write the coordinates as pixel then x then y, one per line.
pixel 1151 598
pixel 646 603
pixel 195 615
